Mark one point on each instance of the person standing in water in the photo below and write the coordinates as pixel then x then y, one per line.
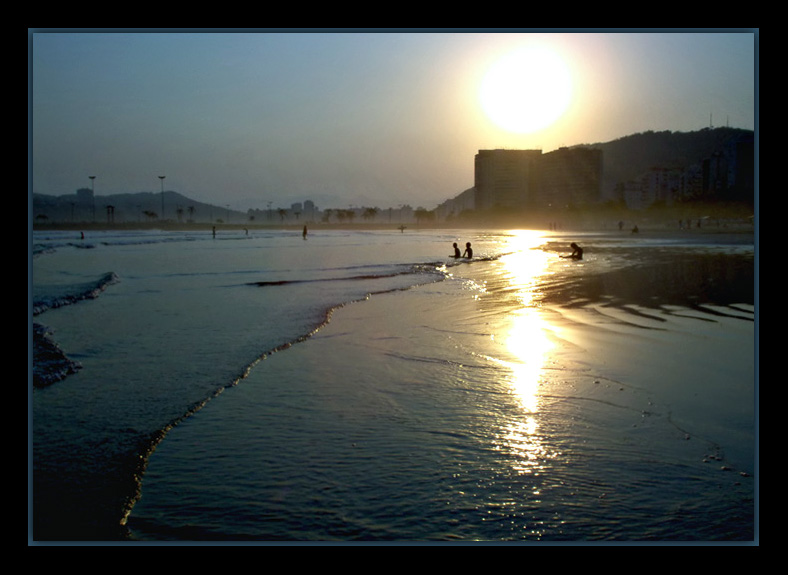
pixel 468 251
pixel 304 232
pixel 456 250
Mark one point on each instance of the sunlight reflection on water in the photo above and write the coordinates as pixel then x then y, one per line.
pixel 527 345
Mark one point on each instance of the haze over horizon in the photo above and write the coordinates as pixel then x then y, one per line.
pixel 356 118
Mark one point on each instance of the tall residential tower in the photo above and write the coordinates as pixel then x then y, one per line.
pixel 529 179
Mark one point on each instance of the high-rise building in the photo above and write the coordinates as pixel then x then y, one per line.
pixel 570 177
pixel 505 178
pixel 530 179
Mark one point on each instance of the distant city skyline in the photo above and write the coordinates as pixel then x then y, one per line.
pixel 367 118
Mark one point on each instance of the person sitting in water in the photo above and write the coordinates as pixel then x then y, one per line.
pixel 456 250
pixel 577 252
pixel 468 251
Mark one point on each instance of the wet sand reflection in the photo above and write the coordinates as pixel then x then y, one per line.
pixel 530 281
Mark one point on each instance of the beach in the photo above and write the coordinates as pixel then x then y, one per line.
pixel 517 397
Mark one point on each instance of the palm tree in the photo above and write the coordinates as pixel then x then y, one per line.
pixel 423 215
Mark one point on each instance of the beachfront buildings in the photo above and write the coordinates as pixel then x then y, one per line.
pixel 522 179
pixel 505 178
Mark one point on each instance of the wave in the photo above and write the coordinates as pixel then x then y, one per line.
pixel 439 268
pixel 49 243
pixel 50 248
pixel 51 363
pixel 74 293
pixel 330 279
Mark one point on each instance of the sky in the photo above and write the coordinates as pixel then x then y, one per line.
pixel 372 119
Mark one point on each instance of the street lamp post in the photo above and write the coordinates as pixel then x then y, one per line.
pixel 162 196
pixel 93 194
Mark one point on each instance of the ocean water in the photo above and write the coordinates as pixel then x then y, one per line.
pixel 363 386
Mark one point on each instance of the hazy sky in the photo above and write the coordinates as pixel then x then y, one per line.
pixel 374 118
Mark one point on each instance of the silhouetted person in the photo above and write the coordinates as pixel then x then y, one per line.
pixel 304 233
pixel 468 251
pixel 456 250
pixel 577 252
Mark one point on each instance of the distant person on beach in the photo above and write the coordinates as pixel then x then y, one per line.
pixel 304 233
pixel 456 250
pixel 577 252
pixel 468 251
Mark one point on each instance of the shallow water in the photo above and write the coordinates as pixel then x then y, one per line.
pixel 468 410
pixel 185 319
pixel 520 397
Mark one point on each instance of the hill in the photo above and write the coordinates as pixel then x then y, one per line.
pixel 141 207
pixel 628 158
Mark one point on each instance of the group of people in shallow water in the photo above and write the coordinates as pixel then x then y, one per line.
pixel 577 251
pixel 468 251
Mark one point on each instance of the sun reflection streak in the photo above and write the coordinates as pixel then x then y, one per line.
pixel 527 337
pixel 527 345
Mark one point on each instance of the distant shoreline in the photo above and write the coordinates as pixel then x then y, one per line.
pixel 205 227
pixel 684 217
pixel 709 226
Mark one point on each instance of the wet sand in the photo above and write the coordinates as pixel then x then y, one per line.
pixel 695 361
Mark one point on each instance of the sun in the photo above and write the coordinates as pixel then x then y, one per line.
pixel 527 90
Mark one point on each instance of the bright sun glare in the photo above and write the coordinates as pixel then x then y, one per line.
pixel 527 90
